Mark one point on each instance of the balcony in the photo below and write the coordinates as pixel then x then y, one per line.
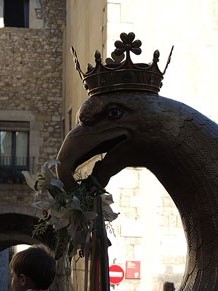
pixel 10 169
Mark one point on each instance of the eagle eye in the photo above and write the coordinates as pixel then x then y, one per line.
pixel 114 112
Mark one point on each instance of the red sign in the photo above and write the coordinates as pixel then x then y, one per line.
pixel 133 270
pixel 116 274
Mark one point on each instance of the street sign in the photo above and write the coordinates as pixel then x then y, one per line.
pixel 116 274
pixel 133 270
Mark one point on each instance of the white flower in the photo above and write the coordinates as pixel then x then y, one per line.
pixel 67 210
pixel 44 178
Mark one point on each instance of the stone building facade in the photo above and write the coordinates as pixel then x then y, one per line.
pixel 31 61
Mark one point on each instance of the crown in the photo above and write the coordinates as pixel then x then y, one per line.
pixel 119 72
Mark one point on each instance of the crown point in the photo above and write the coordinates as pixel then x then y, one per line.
pixel 97 57
pixel 156 56
pixel 89 68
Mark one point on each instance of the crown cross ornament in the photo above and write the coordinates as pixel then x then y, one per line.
pixel 119 72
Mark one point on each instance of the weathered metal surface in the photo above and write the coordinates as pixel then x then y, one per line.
pixel 177 143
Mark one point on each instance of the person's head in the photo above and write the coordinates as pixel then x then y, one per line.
pixel 32 268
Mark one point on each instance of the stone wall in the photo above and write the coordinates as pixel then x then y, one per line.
pixel 31 62
pixel 31 75
pixel 148 230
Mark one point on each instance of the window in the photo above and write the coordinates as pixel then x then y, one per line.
pixel 14 151
pixel 16 13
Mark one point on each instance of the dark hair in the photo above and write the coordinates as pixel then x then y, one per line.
pixel 37 264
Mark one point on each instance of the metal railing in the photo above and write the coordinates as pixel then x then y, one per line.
pixel 11 168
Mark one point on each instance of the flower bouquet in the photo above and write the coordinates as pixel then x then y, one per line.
pixel 78 217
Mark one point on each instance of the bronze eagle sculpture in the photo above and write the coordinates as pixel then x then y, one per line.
pixel 128 121
pixel 176 143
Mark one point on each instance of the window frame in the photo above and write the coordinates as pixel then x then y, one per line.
pixel 12 172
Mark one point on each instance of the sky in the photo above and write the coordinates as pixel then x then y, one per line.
pixel 192 76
